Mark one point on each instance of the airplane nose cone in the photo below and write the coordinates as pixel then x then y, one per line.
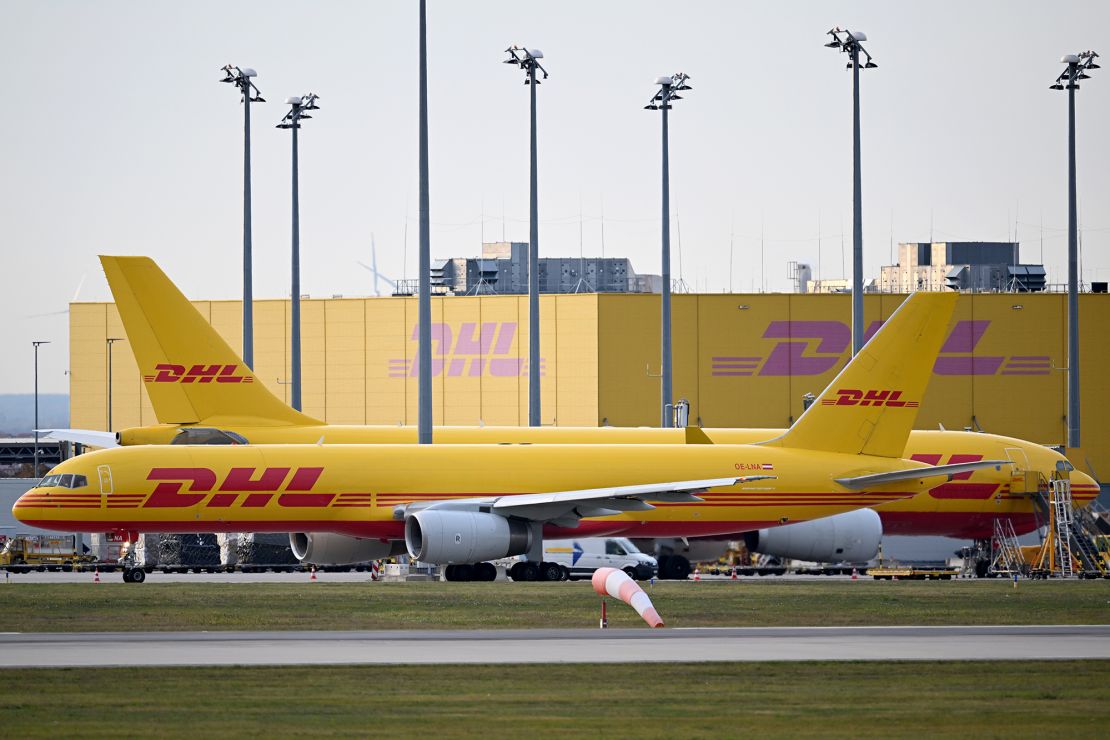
pixel 1084 488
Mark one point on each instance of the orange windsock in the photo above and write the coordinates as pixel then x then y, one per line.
pixel 616 583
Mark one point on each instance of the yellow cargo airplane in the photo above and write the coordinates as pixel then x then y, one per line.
pixel 467 504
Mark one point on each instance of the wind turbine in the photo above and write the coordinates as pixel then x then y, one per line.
pixel 373 268
pixel 76 293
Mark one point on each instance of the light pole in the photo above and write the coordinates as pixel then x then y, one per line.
pixel 36 344
pixel 668 91
pixel 111 341
pixel 424 296
pixel 1078 65
pixel 849 42
pixel 292 120
pixel 241 78
pixel 528 60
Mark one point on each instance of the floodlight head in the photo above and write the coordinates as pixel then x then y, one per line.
pixel 870 65
pixel 857 35
pixel 1057 86
pixel 663 80
pixel 258 99
pixel 293 100
pixel 249 72
pixel 1069 59
pixel 535 53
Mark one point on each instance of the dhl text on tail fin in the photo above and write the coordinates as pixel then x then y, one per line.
pixel 190 373
pixel 871 406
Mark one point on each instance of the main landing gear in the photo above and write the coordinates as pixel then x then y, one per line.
pixel 528 570
pixel 134 575
pixel 522 571
pixel 466 572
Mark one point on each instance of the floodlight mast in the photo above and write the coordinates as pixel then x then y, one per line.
pixel 528 60
pixel 292 120
pixel 849 43
pixel 37 343
pixel 241 78
pixel 661 100
pixel 1077 67
pixel 424 296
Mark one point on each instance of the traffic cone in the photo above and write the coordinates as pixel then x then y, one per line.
pixel 733 576
pixel 855 574
pixel 313 578
pixel 697 574
pixel 96 575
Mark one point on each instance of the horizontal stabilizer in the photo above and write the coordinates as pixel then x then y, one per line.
pixel 932 471
pixel 89 437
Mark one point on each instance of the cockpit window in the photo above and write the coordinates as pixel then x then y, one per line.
pixel 1064 466
pixel 63 480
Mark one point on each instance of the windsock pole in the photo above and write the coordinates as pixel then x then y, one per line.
pixel 616 583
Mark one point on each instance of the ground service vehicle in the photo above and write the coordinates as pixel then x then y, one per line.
pixel 580 557
pixel 37 551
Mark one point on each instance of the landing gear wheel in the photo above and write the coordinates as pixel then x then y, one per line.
pixel 664 566
pixel 138 575
pixel 449 573
pixel 485 572
pixel 464 572
pixel 525 571
pixel 677 568
pixel 551 572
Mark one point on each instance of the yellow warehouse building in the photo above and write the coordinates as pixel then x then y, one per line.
pixel 739 359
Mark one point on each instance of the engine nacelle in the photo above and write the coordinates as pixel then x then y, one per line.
pixel 444 537
pixel 850 537
pixel 328 548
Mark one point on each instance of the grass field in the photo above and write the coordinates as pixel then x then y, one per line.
pixel 1053 699
pixel 187 605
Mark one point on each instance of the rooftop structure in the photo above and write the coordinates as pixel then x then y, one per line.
pixel 503 270
pixel 980 267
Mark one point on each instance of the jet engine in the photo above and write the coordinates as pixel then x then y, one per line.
pixel 327 548
pixel 850 537
pixel 443 537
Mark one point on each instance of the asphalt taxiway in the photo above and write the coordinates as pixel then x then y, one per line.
pixel 1033 642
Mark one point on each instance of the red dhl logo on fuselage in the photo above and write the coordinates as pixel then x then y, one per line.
pixel 240 487
pixel 853 397
pixel 168 373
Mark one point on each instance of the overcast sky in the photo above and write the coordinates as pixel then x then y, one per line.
pixel 119 139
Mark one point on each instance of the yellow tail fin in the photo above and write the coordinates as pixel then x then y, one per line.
pixel 870 407
pixel 189 371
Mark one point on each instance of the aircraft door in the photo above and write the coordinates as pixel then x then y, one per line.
pixel 1022 479
pixel 105 474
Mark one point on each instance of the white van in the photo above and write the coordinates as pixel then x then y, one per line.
pixel 581 556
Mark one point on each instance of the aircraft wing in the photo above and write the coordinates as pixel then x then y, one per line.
pixel 567 507
pixel 878 479
pixel 81 436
